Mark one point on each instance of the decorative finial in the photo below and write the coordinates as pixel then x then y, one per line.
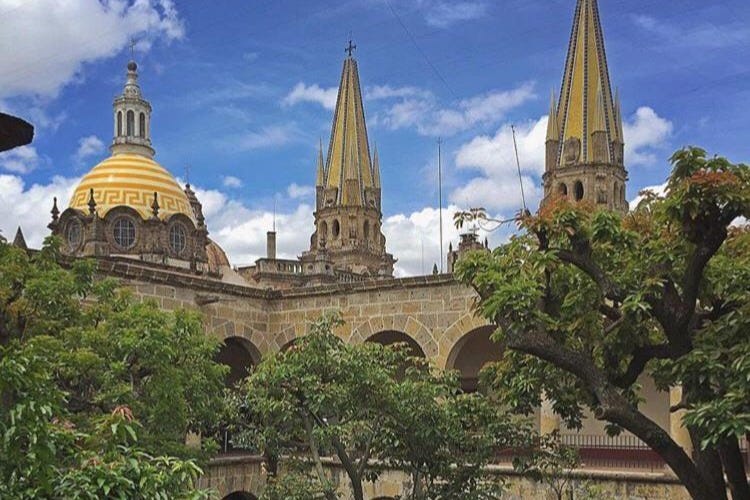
pixel 55 211
pixel 351 48
pixel 155 206
pixel 92 202
pixel 187 176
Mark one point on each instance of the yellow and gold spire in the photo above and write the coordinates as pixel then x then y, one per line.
pixel 586 105
pixel 349 152
pixel 585 146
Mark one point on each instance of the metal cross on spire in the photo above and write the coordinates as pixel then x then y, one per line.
pixel 351 48
pixel 132 49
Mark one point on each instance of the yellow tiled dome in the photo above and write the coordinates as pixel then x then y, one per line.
pixel 131 180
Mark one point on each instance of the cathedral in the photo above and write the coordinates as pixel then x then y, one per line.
pixel 130 214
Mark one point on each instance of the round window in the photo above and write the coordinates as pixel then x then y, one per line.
pixel 73 234
pixel 124 232
pixel 177 238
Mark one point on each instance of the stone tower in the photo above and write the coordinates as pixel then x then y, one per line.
pixel 347 211
pixel 585 144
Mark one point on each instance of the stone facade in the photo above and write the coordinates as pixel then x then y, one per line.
pixel 244 474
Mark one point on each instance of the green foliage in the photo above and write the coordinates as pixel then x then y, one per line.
pixel 372 406
pixel 587 301
pixel 73 350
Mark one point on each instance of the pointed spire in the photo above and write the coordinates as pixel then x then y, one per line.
pixel 349 146
pixel 55 211
pixel 92 202
pixel 155 206
pixel 376 169
pixel 553 127
pixel 19 241
pixel 586 77
pixel 619 136
pixel 320 177
pixel 600 120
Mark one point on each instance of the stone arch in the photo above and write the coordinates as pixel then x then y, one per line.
pixel 578 191
pixel 390 337
pixel 562 189
pixel 407 325
pixel 142 124
pixel 119 123
pixel 239 495
pixel 471 353
pixel 240 355
pixel 455 332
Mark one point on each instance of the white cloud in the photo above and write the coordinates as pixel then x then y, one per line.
pixel 645 133
pixel 58 38
pixel 497 187
pixel 387 92
pixel 704 35
pixel 295 191
pixel 87 147
pixel 29 207
pixel 442 14
pixel 421 111
pixel 326 97
pixel 658 190
pixel 266 137
pixel 20 160
pixel 231 181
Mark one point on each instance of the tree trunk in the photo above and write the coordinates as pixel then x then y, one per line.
pixel 734 465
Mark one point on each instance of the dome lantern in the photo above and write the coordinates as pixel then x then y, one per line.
pixel 132 118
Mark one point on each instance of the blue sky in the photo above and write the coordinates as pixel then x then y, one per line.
pixel 242 92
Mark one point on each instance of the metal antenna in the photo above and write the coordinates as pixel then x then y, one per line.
pixel 274 214
pixel 440 197
pixel 518 164
pixel 187 175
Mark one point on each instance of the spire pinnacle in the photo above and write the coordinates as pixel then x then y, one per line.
pixel 376 169
pixel 600 119
pixel 553 128
pixel 620 137
pixel 320 177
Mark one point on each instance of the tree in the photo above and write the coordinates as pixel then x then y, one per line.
pixel 75 349
pixel 371 406
pixel 587 301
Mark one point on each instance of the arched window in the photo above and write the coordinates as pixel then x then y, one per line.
pixel 323 231
pixel 622 194
pixel 578 190
pixel 73 234
pixel 119 123
pixel 142 125
pixel 177 238
pixel 124 232
pixel 131 123
pixel 562 189
pixel 616 194
pixel 336 228
pixel 366 230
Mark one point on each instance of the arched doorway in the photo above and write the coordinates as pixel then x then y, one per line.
pixel 471 353
pixel 240 495
pixel 240 355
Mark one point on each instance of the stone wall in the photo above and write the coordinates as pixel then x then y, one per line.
pixel 232 474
